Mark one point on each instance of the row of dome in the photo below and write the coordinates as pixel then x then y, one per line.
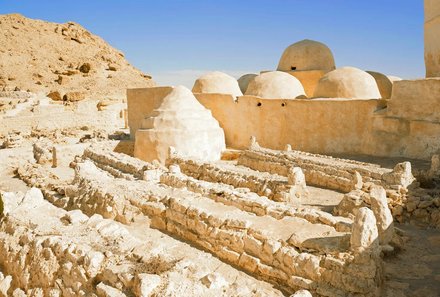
pixel 346 82
pixel 303 56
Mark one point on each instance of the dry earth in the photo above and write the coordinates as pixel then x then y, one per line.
pixel 40 56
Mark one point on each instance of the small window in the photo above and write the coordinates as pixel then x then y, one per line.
pixel 293 68
pixel 259 104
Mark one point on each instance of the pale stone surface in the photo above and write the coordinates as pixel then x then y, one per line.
pixel 244 81
pixel 347 82
pixel 384 218
pixel 275 85
pixel 183 123
pixel 147 284
pixel 302 293
pixel 307 55
pixel 217 82
pixel 364 236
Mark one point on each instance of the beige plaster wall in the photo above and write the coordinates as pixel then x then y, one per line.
pixel 432 38
pixel 416 99
pixel 319 126
pixel 309 79
pixel 141 103
pixel 408 127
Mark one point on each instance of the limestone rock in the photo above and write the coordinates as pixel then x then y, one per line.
pixel 74 96
pixel 302 293
pixel 275 85
pixel 107 291
pixel 147 283
pixel 217 82
pixel 5 284
pixel 350 204
pixel 55 95
pixel 297 181
pixel 214 281
pixel 70 51
pixel 383 215
pixel 401 175
pixel 364 236
pixel 183 123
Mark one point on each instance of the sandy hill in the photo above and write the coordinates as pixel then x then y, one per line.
pixel 41 56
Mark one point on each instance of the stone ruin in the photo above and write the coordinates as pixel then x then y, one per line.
pixel 318 181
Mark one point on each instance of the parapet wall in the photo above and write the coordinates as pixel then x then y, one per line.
pixel 404 126
pixel 319 126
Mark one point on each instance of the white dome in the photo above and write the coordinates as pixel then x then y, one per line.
pixel 217 82
pixel 275 85
pixel 347 82
pixel 183 123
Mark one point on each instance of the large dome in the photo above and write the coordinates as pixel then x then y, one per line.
pixel 217 82
pixel 275 85
pixel 244 81
pixel 347 82
pixel 183 123
pixel 307 55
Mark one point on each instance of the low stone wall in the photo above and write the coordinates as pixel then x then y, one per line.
pixel 55 256
pixel 118 164
pixel 270 185
pixel 290 251
pixel 324 171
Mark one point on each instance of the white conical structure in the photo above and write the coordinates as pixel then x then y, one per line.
pixel 183 123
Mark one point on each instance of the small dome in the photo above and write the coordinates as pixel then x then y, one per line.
pixel 347 82
pixel 244 81
pixel 384 84
pixel 217 82
pixel 183 123
pixel 275 85
pixel 307 55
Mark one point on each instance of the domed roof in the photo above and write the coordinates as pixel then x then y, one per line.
pixel 183 123
pixel 384 84
pixel 393 78
pixel 275 85
pixel 307 55
pixel 217 82
pixel 244 81
pixel 347 82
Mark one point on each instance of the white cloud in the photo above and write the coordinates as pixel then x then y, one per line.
pixel 187 77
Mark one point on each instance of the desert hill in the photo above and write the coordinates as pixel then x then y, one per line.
pixel 41 56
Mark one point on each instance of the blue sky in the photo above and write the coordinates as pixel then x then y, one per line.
pixel 176 41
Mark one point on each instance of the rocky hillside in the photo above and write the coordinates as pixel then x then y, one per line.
pixel 47 57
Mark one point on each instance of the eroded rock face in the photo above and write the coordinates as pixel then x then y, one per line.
pixel 364 236
pixel 183 123
pixel 71 60
pixel 384 218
